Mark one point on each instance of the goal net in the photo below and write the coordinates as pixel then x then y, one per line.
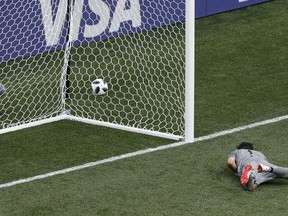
pixel 51 51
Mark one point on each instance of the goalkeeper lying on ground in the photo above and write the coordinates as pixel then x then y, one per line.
pixel 253 167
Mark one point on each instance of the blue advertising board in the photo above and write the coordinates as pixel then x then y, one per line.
pixel 217 6
pixel 209 7
pixel 30 27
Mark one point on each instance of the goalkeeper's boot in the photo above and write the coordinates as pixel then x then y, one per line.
pixel 263 168
pixel 247 178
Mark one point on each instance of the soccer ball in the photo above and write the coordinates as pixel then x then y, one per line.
pixel 2 90
pixel 99 87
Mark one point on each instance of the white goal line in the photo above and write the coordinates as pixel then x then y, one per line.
pixel 141 152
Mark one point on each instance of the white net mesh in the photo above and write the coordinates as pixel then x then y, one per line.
pixel 136 46
pixel 29 70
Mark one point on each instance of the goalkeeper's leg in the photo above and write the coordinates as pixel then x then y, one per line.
pixel 281 172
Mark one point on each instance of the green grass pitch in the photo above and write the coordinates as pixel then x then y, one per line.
pixel 241 78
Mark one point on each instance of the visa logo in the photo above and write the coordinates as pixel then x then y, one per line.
pixel 122 13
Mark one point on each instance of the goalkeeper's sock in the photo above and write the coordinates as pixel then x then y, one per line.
pixel 264 168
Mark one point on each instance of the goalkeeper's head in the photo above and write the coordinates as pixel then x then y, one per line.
pixel 245 145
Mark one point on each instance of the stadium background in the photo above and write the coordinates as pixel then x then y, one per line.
pixel 241 78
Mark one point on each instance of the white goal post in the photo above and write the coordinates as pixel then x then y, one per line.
pixel 51 51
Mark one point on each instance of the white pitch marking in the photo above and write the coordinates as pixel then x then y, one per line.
pixel 141 152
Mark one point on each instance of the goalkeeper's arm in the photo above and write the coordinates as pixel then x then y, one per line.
pixel 231 163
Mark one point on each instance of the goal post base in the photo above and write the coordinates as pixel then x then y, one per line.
pixel 66 116
pixel 125 128
pixel 32 124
